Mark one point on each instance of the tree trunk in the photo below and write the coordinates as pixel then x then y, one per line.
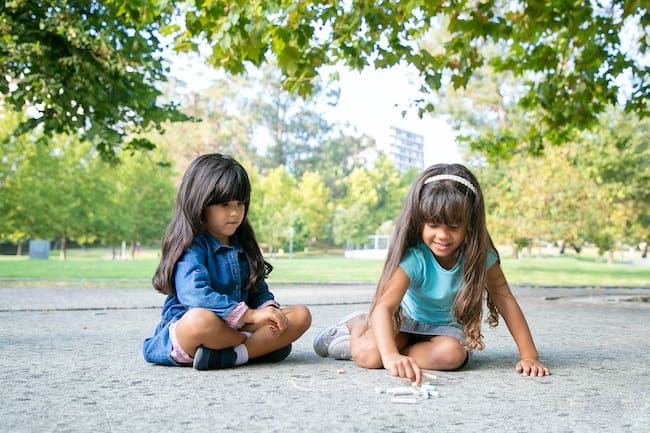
pixel 62 251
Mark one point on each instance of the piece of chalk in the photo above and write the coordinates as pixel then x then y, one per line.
pixel 404 399
pixel 402 390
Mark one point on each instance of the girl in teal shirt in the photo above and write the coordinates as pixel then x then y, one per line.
pixel 428 307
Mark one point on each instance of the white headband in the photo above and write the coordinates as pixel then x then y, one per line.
pixel 453 177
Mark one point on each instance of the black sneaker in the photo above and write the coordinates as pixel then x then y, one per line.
pixel 210 359
pixel 275 356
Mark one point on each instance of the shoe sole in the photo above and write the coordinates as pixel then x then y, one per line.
pixel 339 348
pixel 321 349
pixel 198 359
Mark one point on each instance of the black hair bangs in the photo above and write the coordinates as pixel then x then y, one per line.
pixel 232 185
pixel 446 206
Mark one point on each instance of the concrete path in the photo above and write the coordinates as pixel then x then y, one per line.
pixel 72 363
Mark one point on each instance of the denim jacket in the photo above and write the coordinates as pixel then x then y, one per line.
pixel 208 275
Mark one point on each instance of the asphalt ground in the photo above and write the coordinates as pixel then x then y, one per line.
pixel 72 362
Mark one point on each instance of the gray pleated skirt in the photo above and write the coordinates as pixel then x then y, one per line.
pixel 412 326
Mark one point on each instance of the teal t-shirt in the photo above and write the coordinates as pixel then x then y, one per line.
pixel 432 289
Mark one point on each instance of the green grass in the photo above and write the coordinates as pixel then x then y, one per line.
pixel 327 268
pixel 84 268
pixel 574 271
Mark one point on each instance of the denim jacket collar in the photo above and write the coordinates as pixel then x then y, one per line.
pixel 216 244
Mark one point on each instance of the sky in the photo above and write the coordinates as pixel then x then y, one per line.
pixel 374 99
pixel 370 101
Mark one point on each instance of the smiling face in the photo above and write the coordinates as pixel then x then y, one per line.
pixel 222 219
pixel 444 241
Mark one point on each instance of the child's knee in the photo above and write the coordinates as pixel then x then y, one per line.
pixel 457 359
pixel 453 355
pixel 300 318
pixel 200 321
pixel 365 356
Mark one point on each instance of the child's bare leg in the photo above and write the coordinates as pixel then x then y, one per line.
pixel 362 343
pixel 201 327
pixel 438 353
pixel 264 340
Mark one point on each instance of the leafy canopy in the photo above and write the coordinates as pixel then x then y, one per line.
pixel 91 66
pixel 570 55
pixel 85 66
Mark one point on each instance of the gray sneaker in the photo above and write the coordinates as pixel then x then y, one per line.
pixel 339 348
pixel 326 335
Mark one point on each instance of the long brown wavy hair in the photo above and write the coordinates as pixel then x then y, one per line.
pixel 452 203
pixel 209 179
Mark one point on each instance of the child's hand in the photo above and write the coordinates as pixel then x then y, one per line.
pixel 531 367
pixel 273 316
pixel 403 366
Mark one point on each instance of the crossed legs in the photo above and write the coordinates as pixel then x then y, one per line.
pixel 201 327
pixel 438 352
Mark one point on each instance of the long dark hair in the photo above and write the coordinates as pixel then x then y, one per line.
pixel 210 179
pixel 447 202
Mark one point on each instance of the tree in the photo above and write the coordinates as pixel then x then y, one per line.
pixel 616 156
pixel 12 227
pixel 546 198
pixel 391 191
pixel 336 157
pixel 141 202
pixel 570 57
pixel 86 66
pixel 593 189
pixel 353 221
pixel 65 191
pixel 220 122
pixel 314 203
pixel 294 126
pixel 273 209
pixel 57 192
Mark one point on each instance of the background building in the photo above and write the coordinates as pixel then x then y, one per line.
pixel 405 148
pixel 402 146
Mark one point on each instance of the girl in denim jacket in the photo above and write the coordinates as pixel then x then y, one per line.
pixel 219 311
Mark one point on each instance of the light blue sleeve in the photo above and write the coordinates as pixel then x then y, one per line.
pixel 492 258
pixel 413 265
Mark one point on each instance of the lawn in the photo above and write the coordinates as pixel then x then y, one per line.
pixel 86 267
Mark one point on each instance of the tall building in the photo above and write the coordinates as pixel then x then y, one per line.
pixel 405 148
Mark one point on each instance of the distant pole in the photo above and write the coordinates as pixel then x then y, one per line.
pixel 291 233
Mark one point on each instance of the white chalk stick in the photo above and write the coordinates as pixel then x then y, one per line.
pixel 404 399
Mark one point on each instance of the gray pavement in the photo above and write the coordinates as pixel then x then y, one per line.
pixel 72 362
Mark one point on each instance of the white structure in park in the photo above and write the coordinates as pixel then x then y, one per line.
pixel 376 248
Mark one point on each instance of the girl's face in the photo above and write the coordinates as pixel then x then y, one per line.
pixel 444 241
pixel 222 219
